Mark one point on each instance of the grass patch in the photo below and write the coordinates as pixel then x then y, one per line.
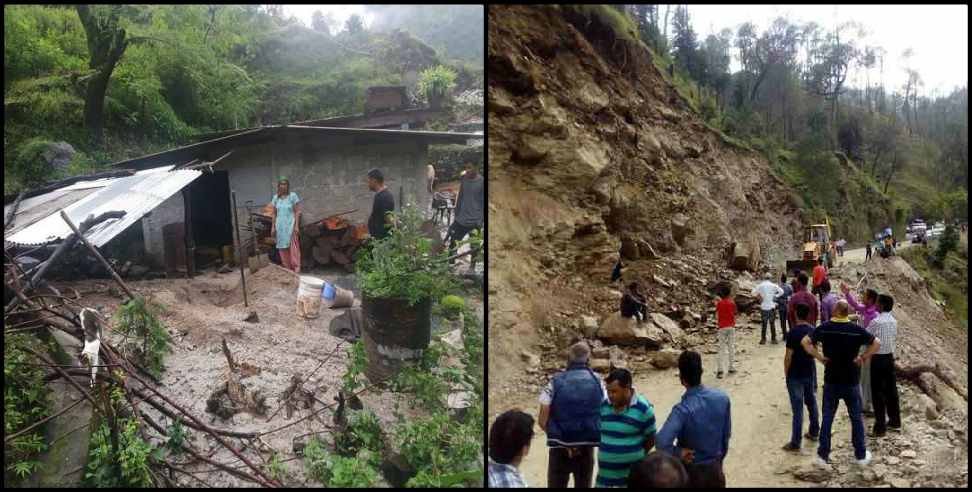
pixel 949 284
pixel 623 26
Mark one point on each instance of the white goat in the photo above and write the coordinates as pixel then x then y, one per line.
pixel 92 340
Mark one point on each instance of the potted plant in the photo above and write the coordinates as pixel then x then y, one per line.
pixel 399 277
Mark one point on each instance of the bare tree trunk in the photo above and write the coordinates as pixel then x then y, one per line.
pixel 106 45
pixel 894 165
pixel 665 32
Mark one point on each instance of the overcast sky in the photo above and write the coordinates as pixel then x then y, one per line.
pixel 938 34
pixel 340 12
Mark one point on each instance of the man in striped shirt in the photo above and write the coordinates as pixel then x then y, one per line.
pixel 884 388
pixel 627 430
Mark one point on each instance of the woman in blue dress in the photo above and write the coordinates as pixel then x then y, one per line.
pixel 286 214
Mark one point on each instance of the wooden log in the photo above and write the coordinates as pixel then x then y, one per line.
pixel 915 373
pixel 313 230
pixel 339 257
pixel 322 255
pixel 348 238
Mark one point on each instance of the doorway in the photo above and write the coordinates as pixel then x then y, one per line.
pixel 210 219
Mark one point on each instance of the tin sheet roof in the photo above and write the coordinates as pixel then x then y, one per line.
pixel 137 195
pixel 36 208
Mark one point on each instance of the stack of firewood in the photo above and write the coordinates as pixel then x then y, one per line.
pixel 331 241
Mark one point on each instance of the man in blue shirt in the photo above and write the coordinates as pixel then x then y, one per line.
pixel 800 372
pixel 570 415
pixel 701 423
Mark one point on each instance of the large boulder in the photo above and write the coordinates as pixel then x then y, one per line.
pixel 626 331
pixel 666 358
pixel 669 326
pixel 57 155
pixel 589 324
pixel 680 229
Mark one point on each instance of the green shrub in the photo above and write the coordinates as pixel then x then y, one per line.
pixel 129 467
pixel 138 318
pixel 363 432
pixel 402 266
pixel 436 81
pixel 453 304
pixel 336 471
pixel 26 400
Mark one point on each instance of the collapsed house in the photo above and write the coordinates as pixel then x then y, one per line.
pixel 177 203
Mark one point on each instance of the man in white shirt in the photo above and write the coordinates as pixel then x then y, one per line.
pixel 768 291
pixel 884 388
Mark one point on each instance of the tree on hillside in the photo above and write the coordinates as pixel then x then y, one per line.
pixel 354 25
pixel 319 23
pixel 686 46
pixel 716 52
pixel 830 62
pixel 107 42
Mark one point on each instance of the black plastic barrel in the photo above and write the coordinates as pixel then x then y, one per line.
pixel 394 333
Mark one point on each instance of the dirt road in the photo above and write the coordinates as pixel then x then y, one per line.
pixel 858 255
pixel 760 410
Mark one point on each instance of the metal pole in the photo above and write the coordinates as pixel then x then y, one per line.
pixel 239 252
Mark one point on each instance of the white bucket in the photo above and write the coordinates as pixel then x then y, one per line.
pixel 309 297
pixel 336 297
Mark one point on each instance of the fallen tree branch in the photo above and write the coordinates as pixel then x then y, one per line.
pixel 194 453
pixel 97 254
pixel 41 422
pixel 266 481
pixel 914 373
pixel 316 412
pixel 65 245
pixel 172 415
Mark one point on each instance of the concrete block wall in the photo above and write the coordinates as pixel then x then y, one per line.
pixel 171 211
pixel 329 172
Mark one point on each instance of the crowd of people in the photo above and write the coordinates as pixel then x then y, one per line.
pixel 580 412
pixel 854 341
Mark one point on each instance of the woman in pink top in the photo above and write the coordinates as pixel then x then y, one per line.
pixel 868 312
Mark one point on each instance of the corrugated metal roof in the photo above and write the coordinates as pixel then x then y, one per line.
pixel 188 152
pixel 137 195
pixel 36 208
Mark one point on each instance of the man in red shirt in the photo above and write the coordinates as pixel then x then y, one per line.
pixel 726 314
pixel 801 296
pixel 819 275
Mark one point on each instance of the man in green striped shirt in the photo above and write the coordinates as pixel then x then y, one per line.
pixel 627 430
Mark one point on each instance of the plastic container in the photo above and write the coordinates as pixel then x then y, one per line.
pixel 335 297
pixel 309 297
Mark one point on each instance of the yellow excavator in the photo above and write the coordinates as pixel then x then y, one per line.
pixel 816 243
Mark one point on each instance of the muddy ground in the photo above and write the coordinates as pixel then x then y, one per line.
pixel 201 312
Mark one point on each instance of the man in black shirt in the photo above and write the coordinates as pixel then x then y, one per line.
pixel 842 341
pixel 633 304
pixel 380 220
pixel 801 379
pixel 470 205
